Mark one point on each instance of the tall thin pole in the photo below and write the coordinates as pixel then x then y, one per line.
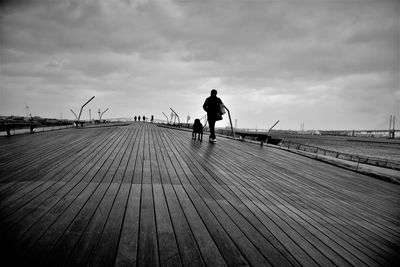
pixel 273 126
pixel 166 117
pixel 230 121
pixel 394 131
pixel 27 110
pixel 79 117
pixel 176 114
pixel 390 127
pixel 76 117
pixel 103 113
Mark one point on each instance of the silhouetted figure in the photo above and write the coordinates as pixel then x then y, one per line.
pixel 152 118
pixel 135 118
pixel 197 130
pixel 139 118
pixel 213 106
pixel 144 118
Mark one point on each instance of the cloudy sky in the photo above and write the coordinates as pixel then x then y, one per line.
pixel 330 64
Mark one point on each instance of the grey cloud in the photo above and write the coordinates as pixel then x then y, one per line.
pixel 53 64
pixel 276 50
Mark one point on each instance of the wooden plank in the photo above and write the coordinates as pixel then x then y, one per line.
pixel 301 230
pixel 67 230
pixel 84 248
pixel 37 245
pixel 305 242
pixel 68 168
pixel 79 225
pixel 176 173
pixel 205 242
pixel 168 246
pixel 28 241
pixel 82 212
pixel 188 248
pixel 33 163
pixel 138 171
pixel 27 194
pixel 226 246
pixel 146 173
pixel 161 160
pixel 297 186
pixel 165 151
pixel 148 249
pixel 278 258
pixel 291 248
pixel 39 205
pixel 141 195
pixel 105 252
pixel 129 238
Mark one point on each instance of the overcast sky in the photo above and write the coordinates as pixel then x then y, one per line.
pixel 330 64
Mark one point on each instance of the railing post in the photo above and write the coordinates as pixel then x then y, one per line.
pixel 230 121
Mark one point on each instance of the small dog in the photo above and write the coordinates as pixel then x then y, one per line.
pixel 197 130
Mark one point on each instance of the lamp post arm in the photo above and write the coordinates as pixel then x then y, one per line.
pixel 176 116
pixel 166 117
pixel 103 113
pixel 79 117
pixel 76 117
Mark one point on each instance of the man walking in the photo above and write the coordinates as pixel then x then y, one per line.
pixel 213 106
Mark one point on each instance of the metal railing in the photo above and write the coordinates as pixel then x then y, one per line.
pixel 37 129
pixel 374 161
pixel 230 121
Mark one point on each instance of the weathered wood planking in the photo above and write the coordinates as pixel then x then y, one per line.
pixel 146 195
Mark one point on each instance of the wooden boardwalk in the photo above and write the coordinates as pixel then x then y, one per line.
pixel 146 195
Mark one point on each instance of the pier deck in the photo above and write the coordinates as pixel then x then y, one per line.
pixel 146 195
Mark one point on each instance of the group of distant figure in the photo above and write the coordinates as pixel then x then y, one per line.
pixel 144 118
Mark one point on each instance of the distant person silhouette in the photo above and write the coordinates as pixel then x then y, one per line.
pixel 212 106
pixel 152 118
pixel 139 118
pixel 144 118
pixel 135 118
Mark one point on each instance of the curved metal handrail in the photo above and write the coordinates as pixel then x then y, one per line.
pixel 230 121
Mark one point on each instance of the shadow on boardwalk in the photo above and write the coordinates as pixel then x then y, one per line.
pixel 144 195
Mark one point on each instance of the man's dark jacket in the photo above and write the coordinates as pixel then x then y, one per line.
pixel 212 107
